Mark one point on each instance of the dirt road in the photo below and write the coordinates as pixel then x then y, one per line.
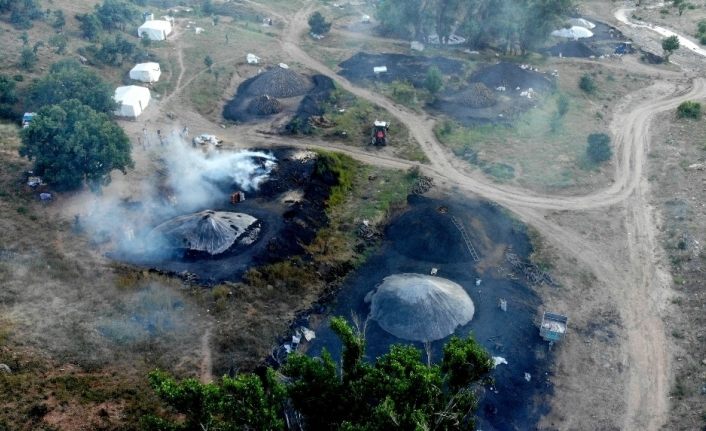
pixel 637 283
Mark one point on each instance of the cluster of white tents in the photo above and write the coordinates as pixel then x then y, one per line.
pixel 579 28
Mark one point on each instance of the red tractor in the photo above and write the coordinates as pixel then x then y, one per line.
pixel 379 135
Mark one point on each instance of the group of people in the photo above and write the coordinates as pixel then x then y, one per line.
pixel 144 140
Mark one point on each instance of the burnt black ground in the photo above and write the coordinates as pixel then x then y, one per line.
pixel 513 403
pixel 284 226
pixel 400 67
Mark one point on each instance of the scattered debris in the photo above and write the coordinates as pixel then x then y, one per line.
pixel 531 271
pixel 553 327
pixel 502 303
pixel 45 197
pixel 198 30
pixel 34 181
pixel 417 46
pixel 205 138
pixel 528 376
pixel 423 185
pixel 252 58
pixel 307 333
pixel 5 369
pixel 478 282
pixel 434 271
pixel 237 197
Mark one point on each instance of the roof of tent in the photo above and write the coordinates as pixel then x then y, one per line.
pixel 574 32
pixel 131 94
pixel 145 67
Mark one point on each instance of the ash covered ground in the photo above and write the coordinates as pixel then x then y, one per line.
pixel 281 191
pixel 424 237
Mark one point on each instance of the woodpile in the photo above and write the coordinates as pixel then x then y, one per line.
pixel 423 185
pixel 478 95
pixel 264 105
pixel 533 273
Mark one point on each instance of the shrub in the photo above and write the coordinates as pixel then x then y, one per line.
pixel 599 149
pixel 318 23
pixel 689 109
pixel 434 80
pixel 587 84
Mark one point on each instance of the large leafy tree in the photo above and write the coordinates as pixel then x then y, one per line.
pixel 68 79
pixel 71 143
pixel 8 96
pixel 116 14
pixel 396 392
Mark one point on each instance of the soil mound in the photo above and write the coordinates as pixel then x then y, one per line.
pixel 511 76
pixel 573 48
pixel 478 95
pixel 279 82
pixel 312 105
pixel 420 307
pixel 264 105
pixel 436 239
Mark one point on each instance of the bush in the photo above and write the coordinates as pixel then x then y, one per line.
pixel 587 84
pixel 403 92
pixel 318 23
pixel 434 80
pixel 28 58
pixel 689 109
pixel 599 149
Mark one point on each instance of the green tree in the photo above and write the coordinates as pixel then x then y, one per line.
pixel 68 79
pixel 587 84
pixel 59 42
pixel 599 150
pixel 8 96
pixel 59 20
pixel 318 24
pixel 669 45
pixel 208 61
pixel 434 80
pixel 398 391
pixel 689 109
pixel 116 14
pixel 71 143
pixel 90 26
pixel 243 402
pixel 23 12
pixel 28 58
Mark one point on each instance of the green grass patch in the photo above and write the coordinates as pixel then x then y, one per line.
pixel 353 120
pixel 206 91
pixel 338 170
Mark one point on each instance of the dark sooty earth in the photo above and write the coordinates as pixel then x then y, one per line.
pixel 284 226
pixel 424 237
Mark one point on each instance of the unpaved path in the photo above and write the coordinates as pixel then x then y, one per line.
pixel 622 16
pixel 637 283
pixel 205 371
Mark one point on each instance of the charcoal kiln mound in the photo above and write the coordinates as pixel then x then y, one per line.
pixel 265 105
pixel 430 234
pixel 313 104
pixel 279 82
pixel 512 402
pixel 478 95
pixel 400 67
pixel 212 232
pixel 511 76
pixel 420 307
pixel 572 48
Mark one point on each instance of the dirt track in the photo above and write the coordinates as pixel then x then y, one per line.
pixel 638 284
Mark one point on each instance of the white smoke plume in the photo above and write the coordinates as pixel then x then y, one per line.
pixel 186 179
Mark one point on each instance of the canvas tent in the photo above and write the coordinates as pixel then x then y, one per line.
pixel 146 72
pixel 132 100
pixel 155 29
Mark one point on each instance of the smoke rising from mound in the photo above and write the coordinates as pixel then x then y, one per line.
pixel 184 180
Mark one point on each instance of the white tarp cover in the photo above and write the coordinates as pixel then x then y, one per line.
pixel 252 58
pixel 580 22
pixel 155 29
pixel 146 72
pixel 574 32
pixel 132 100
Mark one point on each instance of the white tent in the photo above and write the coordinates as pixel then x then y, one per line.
pixel 132 100
pixel 155 29
pixel 574 32
pixel 146 72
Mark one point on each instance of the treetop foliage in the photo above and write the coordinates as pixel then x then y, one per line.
pixel 396 392
pixel 509 25
pixel 599 149
pixel 71 143
pixel 318 23
pixel 22 12
pixel 68 79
